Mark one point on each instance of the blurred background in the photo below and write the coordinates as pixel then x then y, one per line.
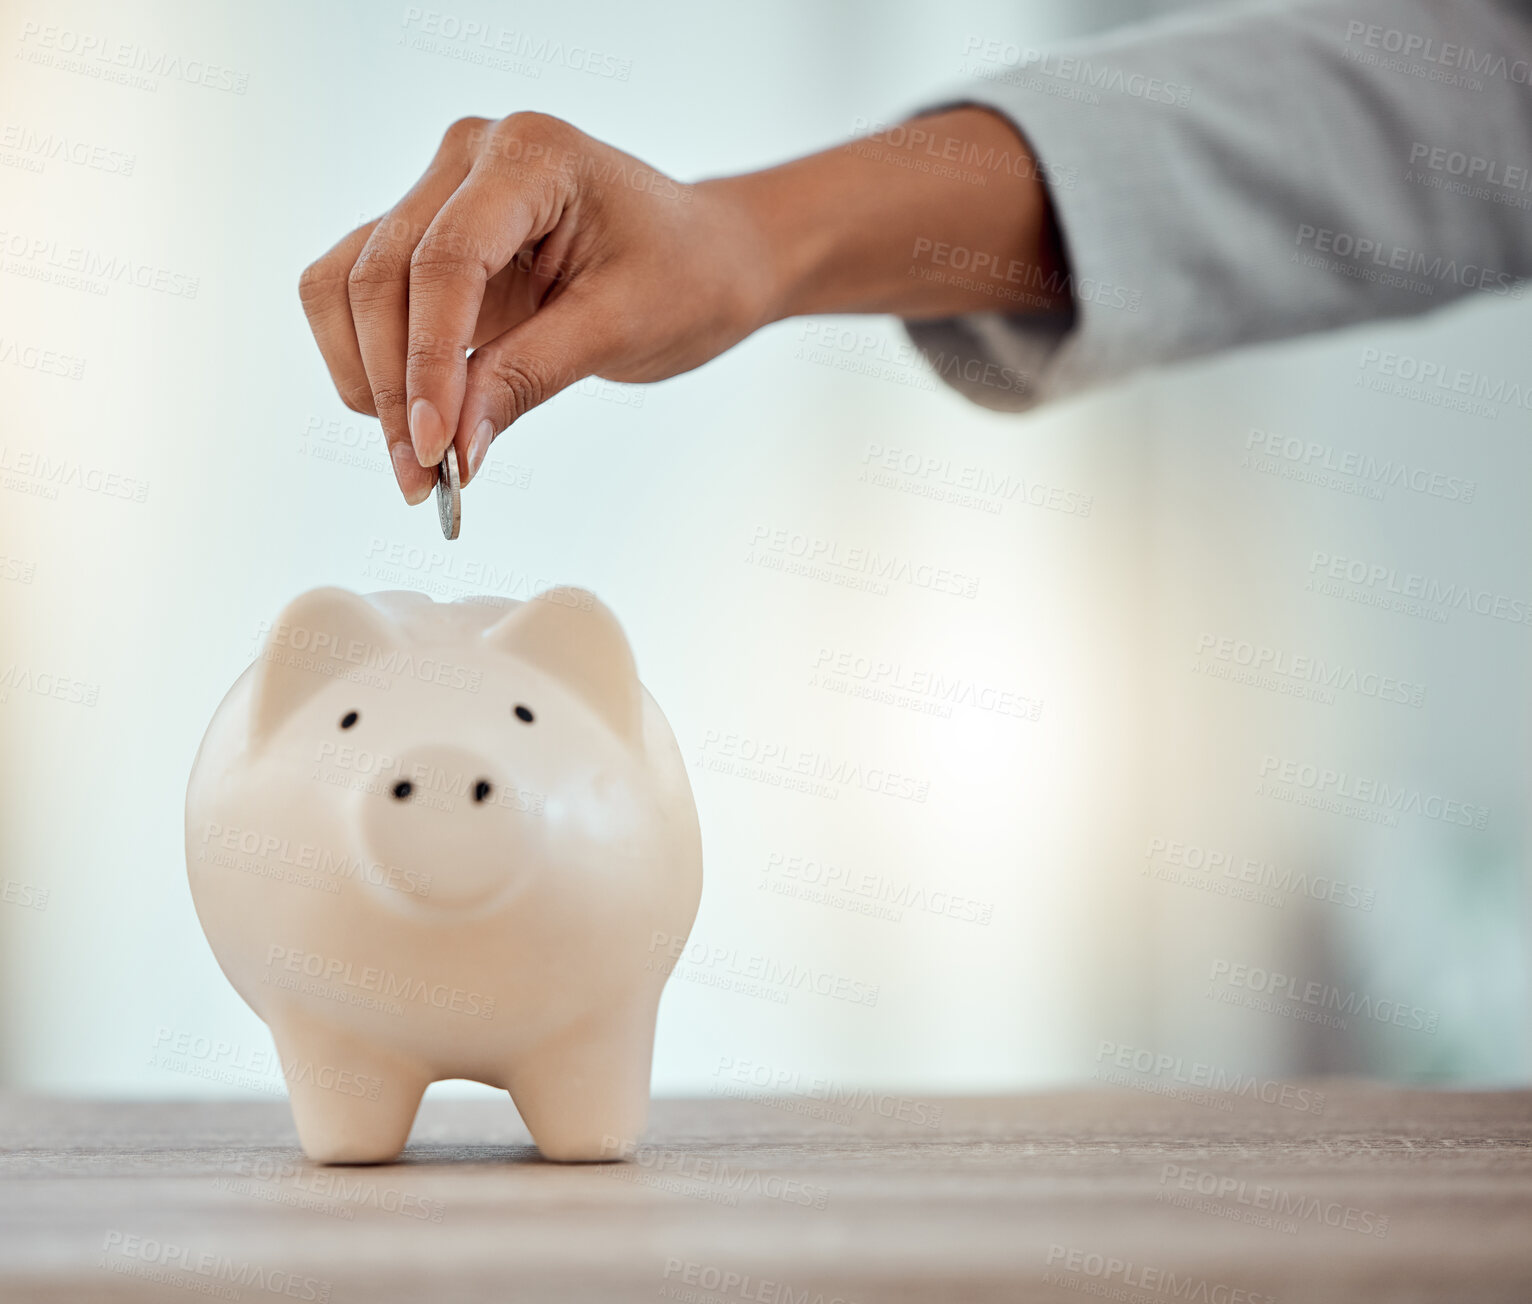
pixel 1164 774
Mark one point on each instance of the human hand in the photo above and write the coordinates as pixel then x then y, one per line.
pixel 552 257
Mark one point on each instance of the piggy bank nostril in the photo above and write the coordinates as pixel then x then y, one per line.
pixel 482 789
pixel 402 790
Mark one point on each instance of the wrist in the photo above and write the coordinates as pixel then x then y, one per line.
pixel 764 250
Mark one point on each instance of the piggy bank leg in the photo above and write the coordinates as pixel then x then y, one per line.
pixel 584 1095
pixel 353 1101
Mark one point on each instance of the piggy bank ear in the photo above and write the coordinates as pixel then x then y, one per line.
pixel 322 628
pixel 569 634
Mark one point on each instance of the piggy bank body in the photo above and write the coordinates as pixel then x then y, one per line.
pixel 440 840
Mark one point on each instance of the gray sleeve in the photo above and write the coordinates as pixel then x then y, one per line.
pixel 1251 173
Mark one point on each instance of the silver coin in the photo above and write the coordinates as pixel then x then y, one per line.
pixel 449 495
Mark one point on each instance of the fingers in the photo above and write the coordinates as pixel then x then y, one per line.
pixel 326 289
pixel 563 342
pixel 477 232
pixel 397 304
pixel 378 289
pixel 322 288
pixel 513 197
pixel 329 291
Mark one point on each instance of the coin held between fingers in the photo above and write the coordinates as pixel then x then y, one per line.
pixel 449 495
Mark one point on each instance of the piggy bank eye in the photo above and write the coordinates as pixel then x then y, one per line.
pixel 482 789
pixel 347 720
pixel 524 713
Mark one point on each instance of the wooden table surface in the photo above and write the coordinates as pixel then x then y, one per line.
pixel 1384 1195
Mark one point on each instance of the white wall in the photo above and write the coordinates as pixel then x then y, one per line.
pixel 1433 911
pixel 260 484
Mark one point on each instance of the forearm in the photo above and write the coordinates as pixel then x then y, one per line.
pixel 942 216
pixel 1251 172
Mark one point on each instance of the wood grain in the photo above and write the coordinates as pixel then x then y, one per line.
pixel 1059 1197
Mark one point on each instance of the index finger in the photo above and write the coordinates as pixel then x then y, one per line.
pixel 486 222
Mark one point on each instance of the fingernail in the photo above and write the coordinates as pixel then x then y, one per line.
pixel 426 431
pixel 415 482
pixel 481 441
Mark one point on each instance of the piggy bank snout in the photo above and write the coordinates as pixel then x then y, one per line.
pixel 440 813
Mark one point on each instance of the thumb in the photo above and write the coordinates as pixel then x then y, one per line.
pixel 559 344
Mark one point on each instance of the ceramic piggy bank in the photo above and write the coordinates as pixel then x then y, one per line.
pixel 438 840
